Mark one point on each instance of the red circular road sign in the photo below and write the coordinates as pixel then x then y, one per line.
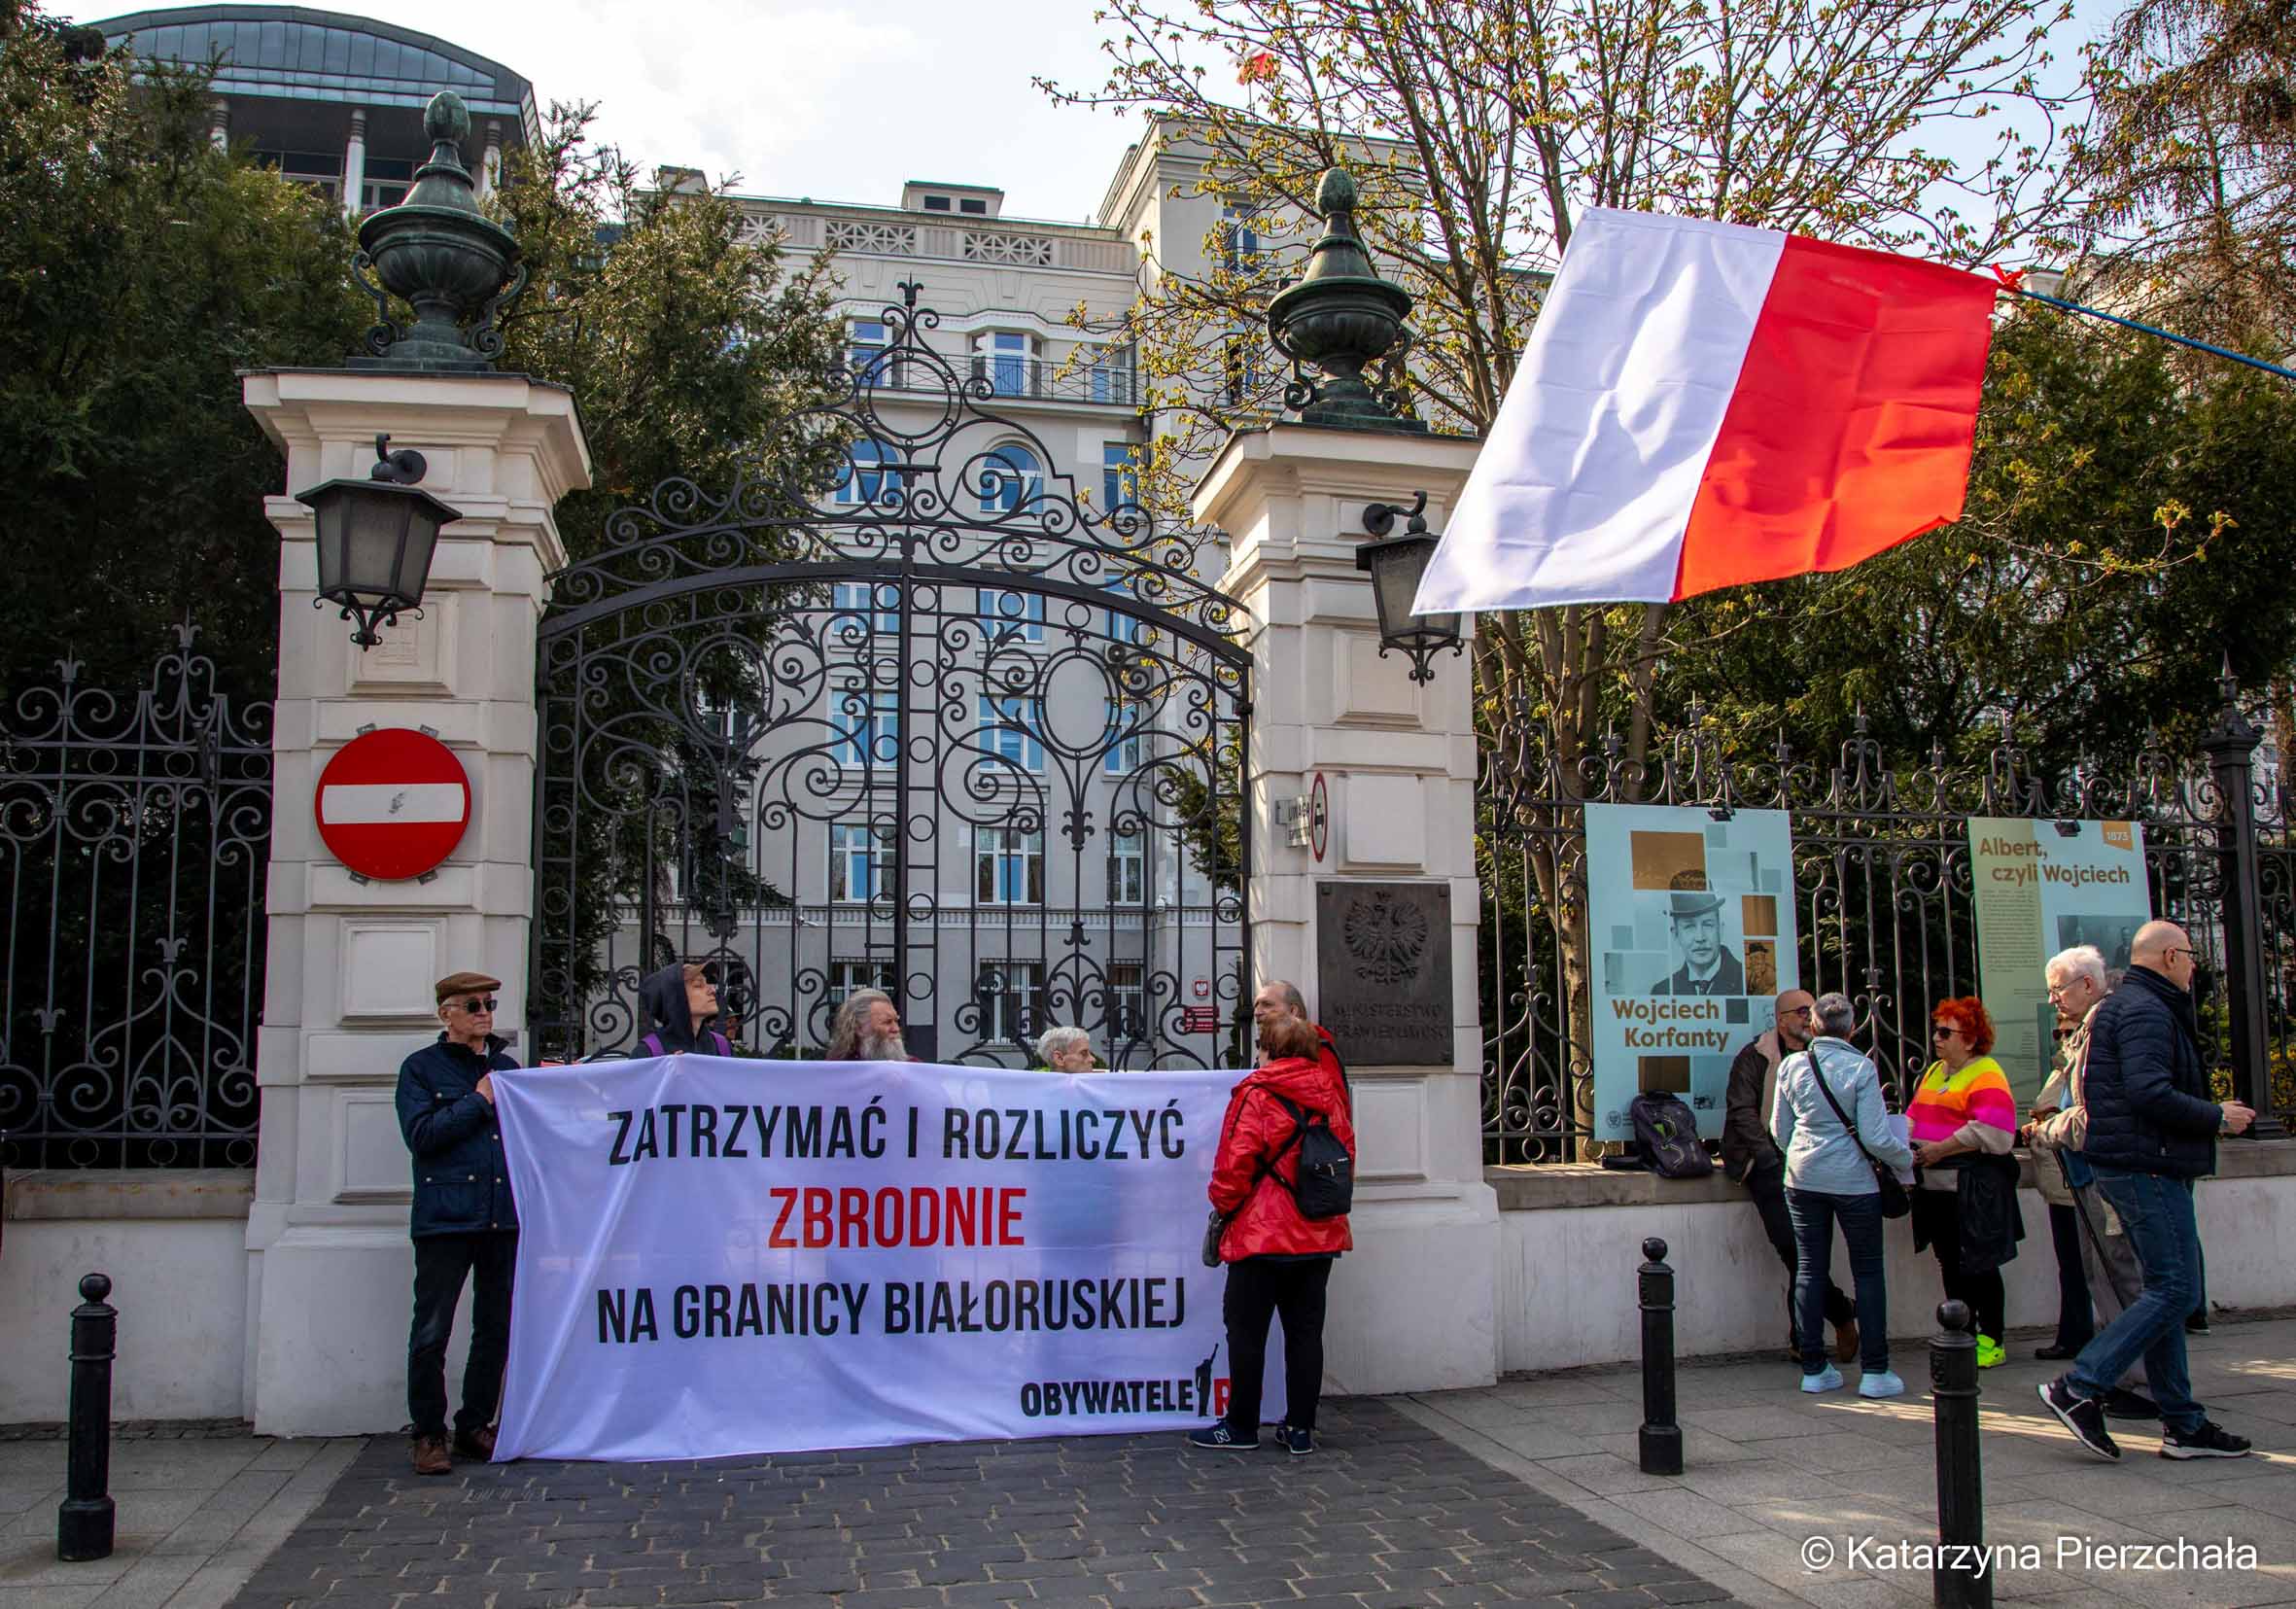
pixel 392 804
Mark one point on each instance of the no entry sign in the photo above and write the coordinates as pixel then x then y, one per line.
pixel 393 804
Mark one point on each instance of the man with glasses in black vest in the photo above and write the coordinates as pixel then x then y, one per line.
pixel 464 1223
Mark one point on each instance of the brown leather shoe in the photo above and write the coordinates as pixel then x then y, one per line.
pixel 475 1444
pixel 1845 1342
pixel 431 1456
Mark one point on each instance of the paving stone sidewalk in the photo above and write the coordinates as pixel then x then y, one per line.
pixel 1388 1515
pixel 196 1512
pixel 1768 1469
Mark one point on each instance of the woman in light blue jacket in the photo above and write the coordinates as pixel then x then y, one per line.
pixel 1828 1180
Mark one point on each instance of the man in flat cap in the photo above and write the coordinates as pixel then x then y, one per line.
pixel 464 1223
pixel 1694 916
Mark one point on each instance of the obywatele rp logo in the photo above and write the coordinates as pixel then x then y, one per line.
pixel 1201 1394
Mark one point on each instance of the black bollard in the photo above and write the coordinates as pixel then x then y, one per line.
pixel 1960 1477
pixel 1661 1437
pixel 84 1521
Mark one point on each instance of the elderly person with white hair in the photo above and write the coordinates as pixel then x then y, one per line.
pixel 1829 1120
pixel 867 1028
pixel 2106 1262
pixel 1066 1050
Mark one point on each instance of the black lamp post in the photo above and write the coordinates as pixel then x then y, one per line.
pixel 375 540
pixel 1396 564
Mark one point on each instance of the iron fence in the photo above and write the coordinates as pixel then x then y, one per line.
pixel 135 833
pixel 1883 895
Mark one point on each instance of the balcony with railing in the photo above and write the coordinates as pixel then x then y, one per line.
pixel 1112 384
pixel 876 233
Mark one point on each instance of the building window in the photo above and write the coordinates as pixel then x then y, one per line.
pixel 1010 729
pixel 852 599
pixel 974 206
pixel 1012 617
pixel 1123 627
pixel 846 976
pixel 936 203
pixel 1247 370
pixel 1240 241
pixel 1112 376
pixel 1120 481
pixel 869 352
pixel 1004 357
pixel 858 854
pixel 1128 869
pixel 1012 480
pixel 1011 993
pixel 1121 756
pixel 1127 1001
pixel 1008 866
pixel 863 484
pixel 871 733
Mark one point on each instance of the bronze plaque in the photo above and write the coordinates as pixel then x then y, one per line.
pixel 1384 972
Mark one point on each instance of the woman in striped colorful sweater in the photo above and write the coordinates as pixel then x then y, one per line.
pixel 1962 1121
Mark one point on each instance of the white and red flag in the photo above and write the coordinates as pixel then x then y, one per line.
pixel 1704 405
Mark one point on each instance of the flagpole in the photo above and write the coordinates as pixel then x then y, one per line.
pixel 2149 329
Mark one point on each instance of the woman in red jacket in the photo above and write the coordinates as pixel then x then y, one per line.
pixel 1277 1260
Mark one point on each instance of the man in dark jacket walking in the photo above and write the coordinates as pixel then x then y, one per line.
pixel 1753 1158
pixel 464 1223
pixel 2152 1131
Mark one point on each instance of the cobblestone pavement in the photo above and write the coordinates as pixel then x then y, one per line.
pixel 1386 1516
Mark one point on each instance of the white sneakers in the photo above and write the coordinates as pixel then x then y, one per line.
pixel 1883 1383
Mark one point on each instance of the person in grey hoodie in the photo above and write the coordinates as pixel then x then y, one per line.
pixel 681 1003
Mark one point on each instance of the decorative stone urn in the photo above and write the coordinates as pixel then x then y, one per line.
pixel 437 252
pixel 1340 315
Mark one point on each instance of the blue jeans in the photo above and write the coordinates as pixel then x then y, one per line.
pixel 1815 1214
pixel 2156 1214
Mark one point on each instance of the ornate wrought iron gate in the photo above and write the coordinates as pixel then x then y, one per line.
pixel 936 725
pixel 135 831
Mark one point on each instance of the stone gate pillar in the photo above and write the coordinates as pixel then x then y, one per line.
pixel 350 964
pixel 1414 1306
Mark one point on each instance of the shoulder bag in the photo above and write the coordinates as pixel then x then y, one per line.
pixel 1895 1202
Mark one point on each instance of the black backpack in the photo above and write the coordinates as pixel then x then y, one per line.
pixel 1666 1137
pixel 1327 1172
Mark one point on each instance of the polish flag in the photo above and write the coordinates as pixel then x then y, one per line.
pixel 1703 404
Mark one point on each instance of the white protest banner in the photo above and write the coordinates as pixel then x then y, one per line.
pixel 724 1256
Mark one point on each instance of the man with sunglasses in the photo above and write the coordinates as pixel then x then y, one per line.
pixel 2152 1131
pixel 463 1222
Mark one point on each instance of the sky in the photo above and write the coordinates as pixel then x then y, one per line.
pixel 832 101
